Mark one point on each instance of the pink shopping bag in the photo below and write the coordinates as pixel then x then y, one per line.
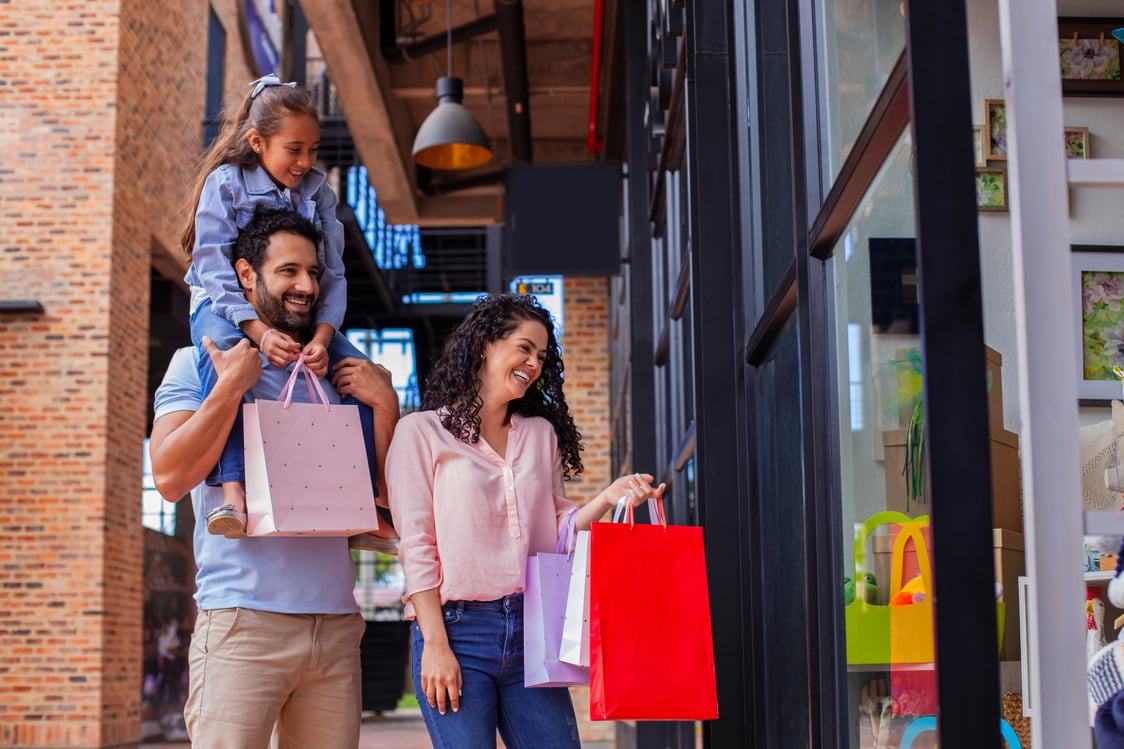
pixel 544 605
pixel 306 466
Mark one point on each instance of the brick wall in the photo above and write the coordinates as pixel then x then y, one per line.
pixel 101 103
pixel 585 346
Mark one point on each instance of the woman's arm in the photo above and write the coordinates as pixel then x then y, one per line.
pixel 440 671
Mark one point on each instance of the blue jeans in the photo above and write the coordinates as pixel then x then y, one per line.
pixel 487 639
pixel 225 334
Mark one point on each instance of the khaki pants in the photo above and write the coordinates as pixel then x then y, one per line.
pixel 252 669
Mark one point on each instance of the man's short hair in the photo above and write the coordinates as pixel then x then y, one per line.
pixel 254 238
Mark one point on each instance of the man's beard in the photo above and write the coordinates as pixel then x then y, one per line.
pixel 274 312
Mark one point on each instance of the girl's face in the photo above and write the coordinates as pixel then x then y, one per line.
pixel 511 365
pixel 290 152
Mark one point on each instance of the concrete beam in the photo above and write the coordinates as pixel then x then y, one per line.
pixel 371 113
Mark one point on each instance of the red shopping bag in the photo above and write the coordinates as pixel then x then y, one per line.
pixel 651 648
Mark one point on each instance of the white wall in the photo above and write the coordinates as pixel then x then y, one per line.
pixel 1097 215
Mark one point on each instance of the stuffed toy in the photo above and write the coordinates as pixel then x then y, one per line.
pixel 1106 676
pixel 1106 690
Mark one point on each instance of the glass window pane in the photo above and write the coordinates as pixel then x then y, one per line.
pixel 860 42
pixel 891 678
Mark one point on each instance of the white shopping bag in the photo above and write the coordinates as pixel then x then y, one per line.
pixel 575 625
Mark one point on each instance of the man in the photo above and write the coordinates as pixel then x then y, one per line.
pixel 277 637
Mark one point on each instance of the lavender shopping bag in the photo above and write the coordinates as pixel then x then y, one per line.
pixel 306 466
pixel 544 603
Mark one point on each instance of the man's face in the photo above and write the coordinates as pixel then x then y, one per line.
pixel 285 289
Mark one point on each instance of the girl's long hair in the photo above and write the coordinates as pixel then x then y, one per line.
pixel 453 384
pixel 266 112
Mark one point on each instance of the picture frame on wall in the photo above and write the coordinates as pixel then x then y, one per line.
pixel 991 189
pixel 1098 284
pixel 978 145
pixel 1076 142
pixel 995 129
pixel 1089 56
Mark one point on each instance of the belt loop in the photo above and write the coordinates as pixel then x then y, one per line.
pixel 460 607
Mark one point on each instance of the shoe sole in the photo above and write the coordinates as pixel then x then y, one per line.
pixel 367 542
pixel 226 526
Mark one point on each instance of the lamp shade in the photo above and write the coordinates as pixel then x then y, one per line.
pixel 450 137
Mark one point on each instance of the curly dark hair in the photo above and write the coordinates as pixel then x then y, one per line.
pixel 453 383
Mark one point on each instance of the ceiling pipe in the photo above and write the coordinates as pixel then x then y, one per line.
pixel 399 54
pixel 508 21
pixel 592 145
pixel 513 57
pixel 444 186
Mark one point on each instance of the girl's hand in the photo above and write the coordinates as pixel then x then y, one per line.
pixel 279 349
pixel 441 677
pixel 316 358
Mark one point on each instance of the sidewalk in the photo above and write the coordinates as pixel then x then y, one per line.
pixel 400 729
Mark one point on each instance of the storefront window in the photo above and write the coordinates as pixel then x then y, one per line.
pixel 861 41
pixel 887 591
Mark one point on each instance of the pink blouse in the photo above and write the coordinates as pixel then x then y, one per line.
pixel 468 519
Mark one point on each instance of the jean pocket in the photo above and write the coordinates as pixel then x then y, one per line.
pixel 451 614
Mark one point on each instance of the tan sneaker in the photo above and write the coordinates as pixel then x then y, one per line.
pixel 226 521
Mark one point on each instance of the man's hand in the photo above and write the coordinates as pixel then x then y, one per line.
pixel 316 358
pixel 239 366
pixel 368 382
pixel 279 349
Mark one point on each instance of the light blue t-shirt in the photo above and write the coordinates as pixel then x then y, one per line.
pixel 288 575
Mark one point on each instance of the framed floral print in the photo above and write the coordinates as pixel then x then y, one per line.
pixel 1098 285
pixel 995 129
pixel 1089 56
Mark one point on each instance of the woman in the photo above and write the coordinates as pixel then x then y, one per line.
pixel 476 486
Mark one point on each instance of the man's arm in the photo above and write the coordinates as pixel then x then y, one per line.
pixel 186 445
pixel 370 384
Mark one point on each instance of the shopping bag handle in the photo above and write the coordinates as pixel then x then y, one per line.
pixel 568 536
pixel 624 511
pixel 314 388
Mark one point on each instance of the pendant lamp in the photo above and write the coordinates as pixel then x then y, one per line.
pixel 450 138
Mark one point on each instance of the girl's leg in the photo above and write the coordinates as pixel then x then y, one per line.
pixel 229 519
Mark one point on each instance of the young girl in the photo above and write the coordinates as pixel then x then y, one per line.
pixel 262 159
pixel 476 486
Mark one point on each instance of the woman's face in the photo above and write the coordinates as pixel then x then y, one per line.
pixel 511 365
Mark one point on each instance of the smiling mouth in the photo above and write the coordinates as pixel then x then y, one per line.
pixel 300 301
pixel 522 376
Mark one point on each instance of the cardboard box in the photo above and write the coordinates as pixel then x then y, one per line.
pixel 1010 564
pixel 1006 490
pixel 994 361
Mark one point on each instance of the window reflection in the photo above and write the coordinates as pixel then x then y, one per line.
pixel 860 42
pixel 888 608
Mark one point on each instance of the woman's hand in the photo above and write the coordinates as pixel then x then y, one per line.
pixel 441 677
pixel 636 487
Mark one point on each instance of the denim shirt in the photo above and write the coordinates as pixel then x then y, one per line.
pixel 230 196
